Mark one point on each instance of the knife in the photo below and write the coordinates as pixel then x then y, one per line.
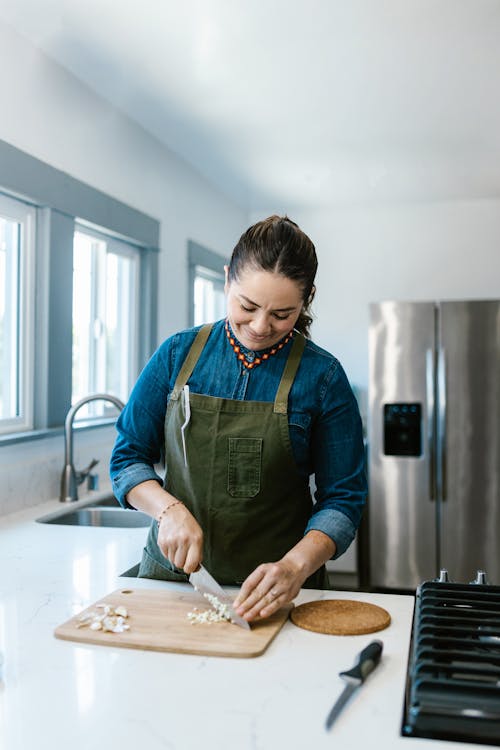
pixel 203 582
pixel 366 662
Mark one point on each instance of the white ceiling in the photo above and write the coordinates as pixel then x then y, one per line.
pixel 295 103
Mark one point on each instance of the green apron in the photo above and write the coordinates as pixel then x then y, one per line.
pixel 231 464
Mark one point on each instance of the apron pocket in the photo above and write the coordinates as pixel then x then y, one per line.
pixel 245 457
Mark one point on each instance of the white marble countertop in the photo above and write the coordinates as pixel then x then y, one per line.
pixel 57 694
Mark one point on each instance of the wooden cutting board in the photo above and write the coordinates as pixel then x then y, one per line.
pixel 158 622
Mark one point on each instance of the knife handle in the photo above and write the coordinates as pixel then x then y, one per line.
pixel 365 663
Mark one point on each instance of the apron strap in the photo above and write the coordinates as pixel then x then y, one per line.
pixel 191 360
pixel 291 367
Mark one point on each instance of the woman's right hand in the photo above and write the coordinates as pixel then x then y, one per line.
pixel 180 538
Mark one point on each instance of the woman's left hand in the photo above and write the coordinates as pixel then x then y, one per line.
pixel 268 588
pixel 272 585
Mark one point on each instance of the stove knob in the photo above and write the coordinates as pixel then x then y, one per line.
pixel 481 578
pixel 443 576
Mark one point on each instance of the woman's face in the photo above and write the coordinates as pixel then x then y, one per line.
pixel 262 307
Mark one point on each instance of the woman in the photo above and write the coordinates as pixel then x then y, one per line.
pixel 243 412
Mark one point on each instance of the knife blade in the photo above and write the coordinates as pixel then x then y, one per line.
pixel 366 662
pixel 205 583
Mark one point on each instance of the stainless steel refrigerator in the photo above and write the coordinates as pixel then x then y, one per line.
pixel 433 441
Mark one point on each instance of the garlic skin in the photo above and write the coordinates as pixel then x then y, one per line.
pixel 110 620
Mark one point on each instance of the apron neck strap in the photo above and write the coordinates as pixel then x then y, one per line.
pixel 291 367
pixel 191 360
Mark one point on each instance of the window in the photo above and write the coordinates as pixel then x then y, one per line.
pixel 47 361
pixel 17 227
pixel 209 299
pixel 105 316
pixel 206 285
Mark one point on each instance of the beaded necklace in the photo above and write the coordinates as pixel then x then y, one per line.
pixel 262 358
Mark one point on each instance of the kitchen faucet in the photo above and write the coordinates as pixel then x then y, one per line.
pixel 71 478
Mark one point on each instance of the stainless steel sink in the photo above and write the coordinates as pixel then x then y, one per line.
pixel 104 512
pixel 109 501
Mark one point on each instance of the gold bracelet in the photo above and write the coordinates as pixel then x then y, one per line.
pixel 167 507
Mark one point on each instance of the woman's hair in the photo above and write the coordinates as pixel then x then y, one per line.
pixel 277 244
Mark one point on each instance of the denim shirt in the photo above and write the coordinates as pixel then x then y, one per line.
pixel 323 416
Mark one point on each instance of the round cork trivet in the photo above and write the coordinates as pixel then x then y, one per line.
pixel 340 617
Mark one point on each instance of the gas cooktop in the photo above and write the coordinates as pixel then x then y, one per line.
pixel 453 681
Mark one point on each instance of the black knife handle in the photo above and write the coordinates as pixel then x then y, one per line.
pixel 365 663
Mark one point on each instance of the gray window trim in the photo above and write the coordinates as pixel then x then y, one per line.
pixel 44 185
pixel 61 200
pixel 198 255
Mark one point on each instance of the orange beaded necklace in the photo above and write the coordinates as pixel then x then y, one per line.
pixel 262 358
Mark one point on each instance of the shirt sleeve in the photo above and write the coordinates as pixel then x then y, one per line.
pixel 339 462
pixel 139 445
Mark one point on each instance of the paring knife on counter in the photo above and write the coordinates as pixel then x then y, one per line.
pixel 365 664
pixel 203 582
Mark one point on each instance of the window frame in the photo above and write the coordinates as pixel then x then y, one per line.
pixel 198 255
pixel 24 214
pixel 60 202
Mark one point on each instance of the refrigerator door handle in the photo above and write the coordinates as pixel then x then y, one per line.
pixel 441 428
pixel 431 431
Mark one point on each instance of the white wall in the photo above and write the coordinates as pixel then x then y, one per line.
pixel 48 113
pixel 51 115
pixel 31 472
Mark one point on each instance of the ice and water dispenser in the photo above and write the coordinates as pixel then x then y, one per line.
pixel 403 429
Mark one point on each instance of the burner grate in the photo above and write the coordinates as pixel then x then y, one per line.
pixel 453 684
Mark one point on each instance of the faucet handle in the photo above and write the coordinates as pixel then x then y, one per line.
pixel 83 474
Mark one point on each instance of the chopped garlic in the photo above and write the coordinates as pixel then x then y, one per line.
pixel 219 613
